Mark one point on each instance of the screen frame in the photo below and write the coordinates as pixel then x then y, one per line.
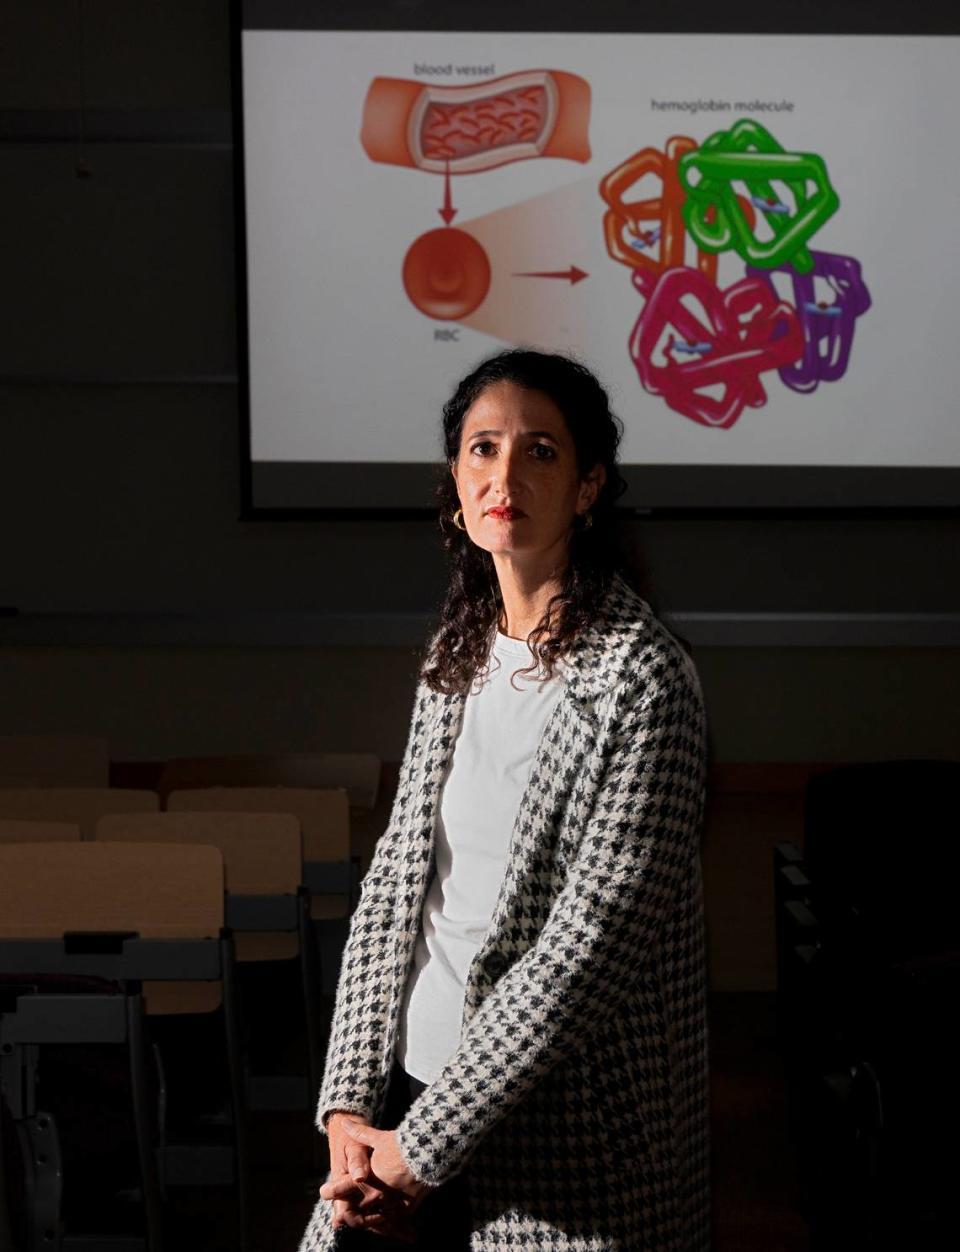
pixel 721 491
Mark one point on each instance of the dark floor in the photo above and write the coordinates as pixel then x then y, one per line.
pixel 755 1190
pixel 754 1184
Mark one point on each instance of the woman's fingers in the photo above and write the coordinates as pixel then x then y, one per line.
pixel 340 1188
pixel 334 1189
pixel 340 1208
pixel 381 1224
pixel 392 1225
pixel 356 1221
pixel 370 1196
pixel 386 1160
pixel 385 1212
pixel 347 1154
pixel 357 1158
pixel 350 1200
pixel 391 1221
pixel 401 1229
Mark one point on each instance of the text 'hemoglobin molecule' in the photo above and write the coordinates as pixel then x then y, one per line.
pixel 704 348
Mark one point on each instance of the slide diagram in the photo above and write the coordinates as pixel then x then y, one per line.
pixel 734 243
pixel 467 130
pixel 704 348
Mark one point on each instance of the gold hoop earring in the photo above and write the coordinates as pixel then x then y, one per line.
pixel 459 524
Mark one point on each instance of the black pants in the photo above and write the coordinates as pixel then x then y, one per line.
pixel 442 1221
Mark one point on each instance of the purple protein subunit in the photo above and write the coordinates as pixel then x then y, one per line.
pixel 827 328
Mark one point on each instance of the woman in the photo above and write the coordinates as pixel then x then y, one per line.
pixel 518 1053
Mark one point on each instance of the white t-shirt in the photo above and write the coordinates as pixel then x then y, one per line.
pixel 479 800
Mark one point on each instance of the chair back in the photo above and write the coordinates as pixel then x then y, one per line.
pixel 83 806
pixel 324 817
pixel 154 890
pixel 12 830
pixel 357 772
pixel 261 857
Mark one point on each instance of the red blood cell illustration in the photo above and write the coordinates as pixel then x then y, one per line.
pixel 446 273
pixel 536 113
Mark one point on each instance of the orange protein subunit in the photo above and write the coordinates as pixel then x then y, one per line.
pixel 536 113
pixel 663 244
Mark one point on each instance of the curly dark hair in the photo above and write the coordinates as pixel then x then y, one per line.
pixel 472 607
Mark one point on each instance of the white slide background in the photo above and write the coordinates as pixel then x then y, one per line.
pixel 344 368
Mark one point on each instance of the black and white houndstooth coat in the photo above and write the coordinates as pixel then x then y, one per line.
pixel 578 1094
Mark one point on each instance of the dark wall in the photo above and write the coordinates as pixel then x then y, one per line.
pixel 129 495
pixel 120 492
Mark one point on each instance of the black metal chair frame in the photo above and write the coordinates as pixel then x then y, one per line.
pixel 285 913
pixel 31 1018
pixel 829 984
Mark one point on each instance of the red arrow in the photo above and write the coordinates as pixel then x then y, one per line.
pixel 573 274
pixel 448 212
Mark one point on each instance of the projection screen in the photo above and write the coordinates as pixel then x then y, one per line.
pixel 748 236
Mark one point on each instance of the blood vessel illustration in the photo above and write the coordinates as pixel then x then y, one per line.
pixel 537 113
pixel 446 273
pixel 703 348
pixel 465 130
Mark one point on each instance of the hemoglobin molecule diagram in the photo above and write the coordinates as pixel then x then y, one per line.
pixel 703 348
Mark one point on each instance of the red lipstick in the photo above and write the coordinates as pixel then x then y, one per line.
pixel 506 515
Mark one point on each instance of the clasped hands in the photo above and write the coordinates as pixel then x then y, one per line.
pixel 370 1185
